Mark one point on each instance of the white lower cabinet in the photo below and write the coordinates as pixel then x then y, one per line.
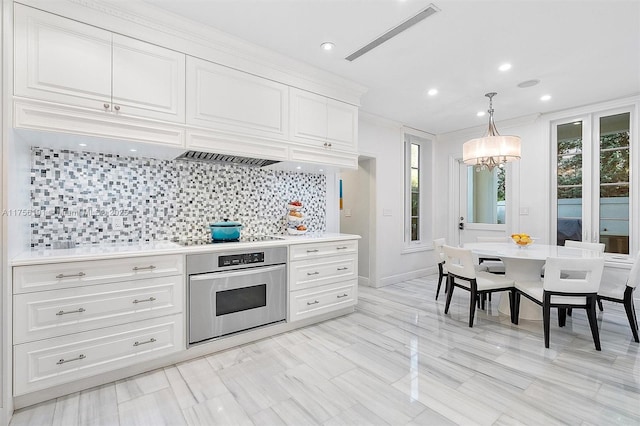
pixel 322 299
pixel 57 312
pixel 50 362
pixel 323 277
pixel 73 320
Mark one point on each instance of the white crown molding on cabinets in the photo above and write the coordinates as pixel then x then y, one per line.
pixel 378 120
pixel 159 27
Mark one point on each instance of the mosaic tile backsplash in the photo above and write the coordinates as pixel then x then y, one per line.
pixel 77 196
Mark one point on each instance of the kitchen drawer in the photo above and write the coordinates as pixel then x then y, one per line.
pixel 324 270
pixel 45 363
pixel 320 300
pixel 76 274
pixel 48 314
pixel 311 250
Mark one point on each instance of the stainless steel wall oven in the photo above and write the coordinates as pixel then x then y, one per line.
pixel 235 290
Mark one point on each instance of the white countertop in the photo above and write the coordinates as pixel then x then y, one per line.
pixel 105 251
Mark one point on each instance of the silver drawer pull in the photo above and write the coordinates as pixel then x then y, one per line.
pixel 342 248
pixel 313 251
pixel 143 268
pixel 343 269
pixel 313 273
pixel 315 302
pixel 144 343
pixel 341 296
pixel 63 361
pixel 151 299
pixel 79 274
pixel 79 310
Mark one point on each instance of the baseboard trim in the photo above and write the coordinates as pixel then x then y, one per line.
pixel 394 279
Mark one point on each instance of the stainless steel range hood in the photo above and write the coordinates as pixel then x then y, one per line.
pixel 223 158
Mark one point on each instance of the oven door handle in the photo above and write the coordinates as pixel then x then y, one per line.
pixel 247 271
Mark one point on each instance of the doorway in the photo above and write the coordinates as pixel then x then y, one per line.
pixel 358 215
pixel 479 201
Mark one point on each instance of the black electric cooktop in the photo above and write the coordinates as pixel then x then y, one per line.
pixel 242 239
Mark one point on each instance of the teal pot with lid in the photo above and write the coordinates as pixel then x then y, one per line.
pixel 225 230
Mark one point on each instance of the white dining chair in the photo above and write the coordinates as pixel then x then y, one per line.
pixel 599 247
pixel 621 291
pixel 442 269
pixel 462 273
pixel 568 283
pixel 492 264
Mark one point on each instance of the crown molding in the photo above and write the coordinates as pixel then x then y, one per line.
pixel 154 25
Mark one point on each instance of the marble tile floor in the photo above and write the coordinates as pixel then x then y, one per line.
pixel 398 360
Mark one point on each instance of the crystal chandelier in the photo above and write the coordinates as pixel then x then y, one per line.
pixel 492 150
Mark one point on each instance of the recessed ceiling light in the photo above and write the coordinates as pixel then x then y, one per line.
pixel 528 83
pixel 481 113
pixel 504 67
pixel 82 144
pixel 133 150
pixel 321 170
pixel 299 167
pixel 327 45
pixel 545 97
pixel 432 92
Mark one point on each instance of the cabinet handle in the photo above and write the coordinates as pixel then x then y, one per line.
pixel 62 361
pixel 106 106
pixel 143 268
pixel 341 296
pixel 342 248
pixel 313 251
pixel 79 310
pixel 343 269
pixel 330 145
pixel 315 302
pixel 79 274
pixel 313 273
pixel 151 299
pixel 117 107
pixel 144 343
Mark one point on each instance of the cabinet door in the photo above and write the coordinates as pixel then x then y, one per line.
pixel 342 127
pixel 60 60
pixel 308 117
pixel 223 98
pixel 148 80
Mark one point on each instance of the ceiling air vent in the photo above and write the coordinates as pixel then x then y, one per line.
pixel 430 10
pixel 222 158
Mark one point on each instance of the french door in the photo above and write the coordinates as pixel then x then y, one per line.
pixel 592 187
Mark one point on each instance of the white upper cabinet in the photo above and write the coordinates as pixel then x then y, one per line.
pixel 67 62
pixel 229 100
pixel 320 121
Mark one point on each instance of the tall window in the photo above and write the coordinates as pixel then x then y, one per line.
pixel 593 186
pixel 486 195
pixel 414 170
pixel 417 158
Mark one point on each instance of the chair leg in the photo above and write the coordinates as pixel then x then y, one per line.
pixel 440 278
pixel 569 311
pixel 546 318
pixel 449 294
pixel 593 322
pixel 516 308
pixel 631 315
pixel 562 317
pixel 472 306
pixel 600 305
pixel 512 301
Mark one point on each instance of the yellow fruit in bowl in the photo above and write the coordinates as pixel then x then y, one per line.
pixel 522 239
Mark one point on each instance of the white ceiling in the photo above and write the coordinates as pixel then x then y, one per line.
pixel 582 52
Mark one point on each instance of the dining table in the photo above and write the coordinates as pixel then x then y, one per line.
pixel 525 263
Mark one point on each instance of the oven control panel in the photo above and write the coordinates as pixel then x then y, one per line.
pixel 241 259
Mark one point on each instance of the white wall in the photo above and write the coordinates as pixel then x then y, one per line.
pixel 383 140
